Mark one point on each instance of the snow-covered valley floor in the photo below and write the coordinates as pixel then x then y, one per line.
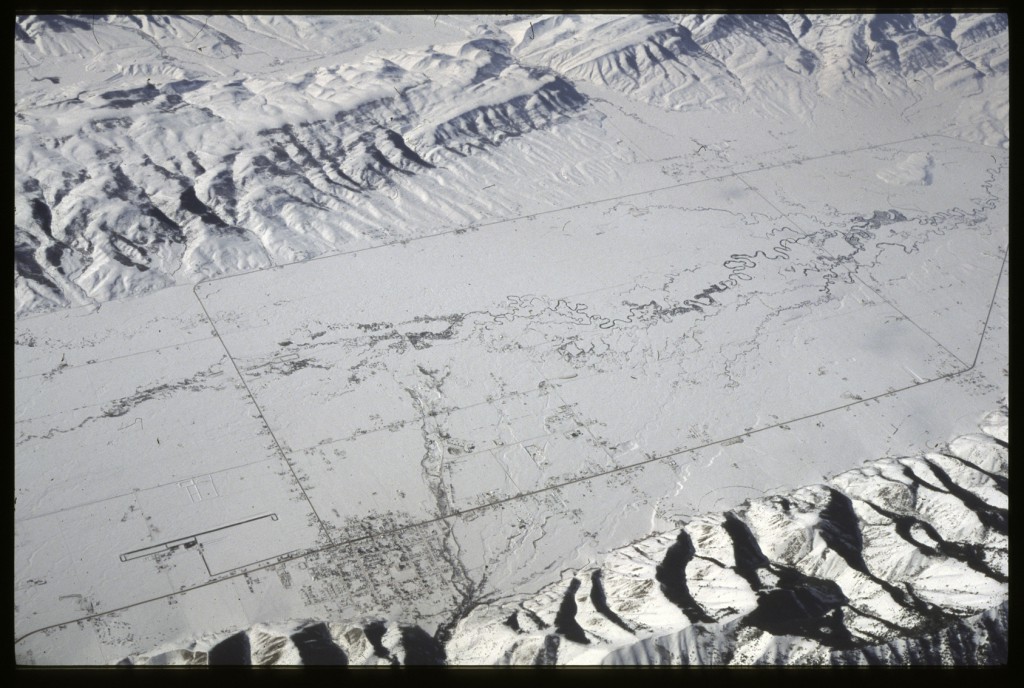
pixel 502 340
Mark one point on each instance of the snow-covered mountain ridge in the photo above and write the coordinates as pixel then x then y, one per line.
pixel 903 560
pixel 154 150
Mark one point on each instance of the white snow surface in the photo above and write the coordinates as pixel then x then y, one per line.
pixel 791 531
pixel 403 323
pixel 304 136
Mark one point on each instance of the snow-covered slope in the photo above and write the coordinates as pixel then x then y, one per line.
pixel 122 190
pixel 153 150
pixel 900 561
pixel 779 65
